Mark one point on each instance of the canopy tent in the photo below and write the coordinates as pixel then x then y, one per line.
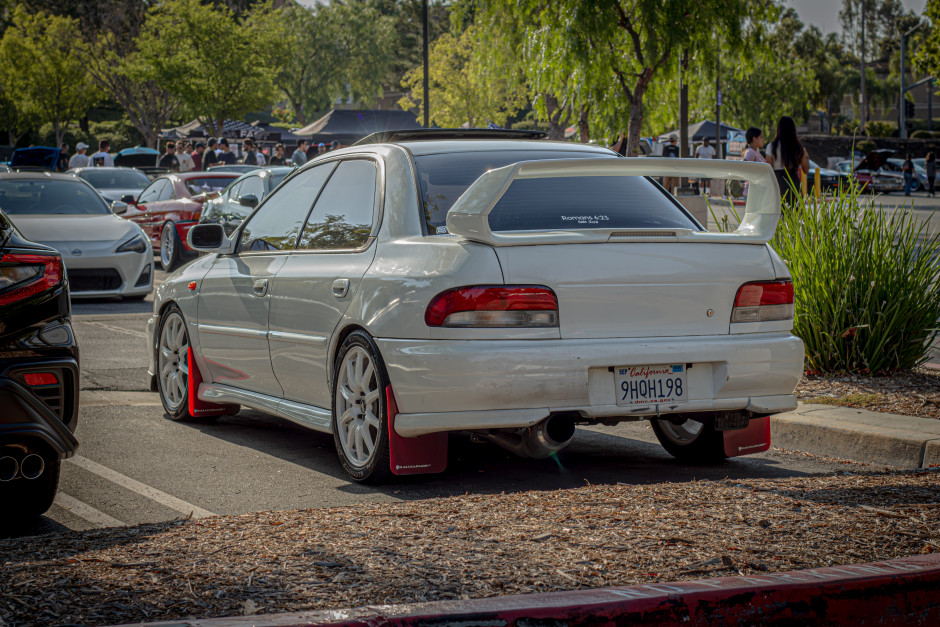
pixel 232 129
pixel 350 125
pixel 701 130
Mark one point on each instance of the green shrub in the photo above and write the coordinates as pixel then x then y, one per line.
pixel 864 279
pixel 876 128
pixel 922 135
pixel 866 145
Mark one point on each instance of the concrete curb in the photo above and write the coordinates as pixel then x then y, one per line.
pixel 897 592
pixel 857 434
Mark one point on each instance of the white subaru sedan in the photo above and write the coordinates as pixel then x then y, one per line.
pixel 397 290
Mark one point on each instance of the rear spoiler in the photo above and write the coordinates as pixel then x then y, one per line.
pixel 469 217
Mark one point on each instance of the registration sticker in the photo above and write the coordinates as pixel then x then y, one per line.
pixel 645 385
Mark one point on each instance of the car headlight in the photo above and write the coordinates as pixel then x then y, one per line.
pixel 134 245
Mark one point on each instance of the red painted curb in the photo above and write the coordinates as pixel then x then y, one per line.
pixel 896 592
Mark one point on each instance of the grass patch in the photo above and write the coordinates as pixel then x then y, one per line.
pixel 851 400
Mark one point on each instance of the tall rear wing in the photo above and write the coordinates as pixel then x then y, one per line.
pixel 469 217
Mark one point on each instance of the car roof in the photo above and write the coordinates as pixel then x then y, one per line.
pixel 433 147
pixel 38 175
pixel 199 174
pixel 105 168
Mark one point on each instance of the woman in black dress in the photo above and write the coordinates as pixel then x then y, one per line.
pixel 788 158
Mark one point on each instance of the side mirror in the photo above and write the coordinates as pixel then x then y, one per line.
pixel 119 207
pixel 248 200
pixel 128 199
pixel 210 238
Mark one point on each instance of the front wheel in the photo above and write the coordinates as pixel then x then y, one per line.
pixel 170 253
pixel 690 440
pixel 360 424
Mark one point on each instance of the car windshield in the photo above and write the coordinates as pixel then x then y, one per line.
pixel 39 196
pixel 544 203
pixel 101 178
pixel 208 184
pixel 276 179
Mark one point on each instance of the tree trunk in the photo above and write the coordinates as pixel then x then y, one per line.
pixel 83 124
pixel 583 125
pixel 634 126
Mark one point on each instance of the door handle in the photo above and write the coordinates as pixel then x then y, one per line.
pixel 340 287
pixel 260 287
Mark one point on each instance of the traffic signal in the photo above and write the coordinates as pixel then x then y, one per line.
pixel 908 109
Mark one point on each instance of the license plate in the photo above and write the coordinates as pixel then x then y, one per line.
pixel 645 385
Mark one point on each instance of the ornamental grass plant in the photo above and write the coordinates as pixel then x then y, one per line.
pixel 865 281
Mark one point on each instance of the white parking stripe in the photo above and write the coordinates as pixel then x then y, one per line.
pixel 86 511
pixel 144 490
pixel 111 327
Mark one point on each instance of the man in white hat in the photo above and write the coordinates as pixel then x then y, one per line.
pixel 79 159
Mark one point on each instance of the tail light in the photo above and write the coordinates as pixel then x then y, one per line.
pixel 27 275
pixel 494 306
pixel 762 301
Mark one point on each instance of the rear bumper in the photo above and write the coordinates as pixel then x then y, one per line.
pixel 27 418
pixel 455 385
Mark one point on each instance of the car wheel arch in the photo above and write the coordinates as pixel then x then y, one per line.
pixel 337 340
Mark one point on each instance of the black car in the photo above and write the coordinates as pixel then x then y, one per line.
pixel 38 375
pixel 242 196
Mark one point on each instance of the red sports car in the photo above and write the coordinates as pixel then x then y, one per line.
pixel 167 208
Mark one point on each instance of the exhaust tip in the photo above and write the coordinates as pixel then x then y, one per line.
pixel 9 468
pixel 32 466
pixel 560 427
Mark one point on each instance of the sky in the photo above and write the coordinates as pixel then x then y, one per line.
pixel 825 13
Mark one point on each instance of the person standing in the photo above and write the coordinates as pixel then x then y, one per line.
pixel 930 167
pixel 260 156
pixel 705 151
pixel 197 155
pixel 788 158
pixel 80 159
pixel 300 155
pixel 102 158
pixel 671 151
pixel 251 155
pixel 334 145
pixel 620 146
pixel 185 159
pixel 168 160
pixel 210 157
pixel 907 168
pixel 63 163
pixel 226 156
pixel 278 157
pixel 755 141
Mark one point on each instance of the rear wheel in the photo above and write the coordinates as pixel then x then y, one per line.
pixel 360 423
pixel 173 364
pixel 170 245
pixel 689 440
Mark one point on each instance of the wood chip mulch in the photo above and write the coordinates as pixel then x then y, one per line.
pixel 909 393
pixel 469 546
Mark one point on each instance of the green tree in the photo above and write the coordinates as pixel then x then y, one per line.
pixel 41 70
pixel 460 91
pixel 928 53
pixel 208 59
pixel 608 53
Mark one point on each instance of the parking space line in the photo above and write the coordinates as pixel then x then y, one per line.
pixel 144 490
pixel 111 327
pixel 86 511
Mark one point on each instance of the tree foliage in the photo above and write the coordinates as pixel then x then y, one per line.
pixel 461 92
pixel 41 71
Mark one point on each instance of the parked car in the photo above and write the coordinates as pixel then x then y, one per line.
pixel 873 175
pixel 41 158
pixel 920 175
pixel 169 207
pixel 240 168
pixel 104 255
pixel 242 196
pixel 828 179
pixel 389 293
pixel 4 168
pixel 38 375
pixel 117 183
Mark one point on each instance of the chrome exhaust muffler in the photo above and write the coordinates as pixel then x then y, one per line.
pixel 32 466
pixel 538 441
pixel 9 468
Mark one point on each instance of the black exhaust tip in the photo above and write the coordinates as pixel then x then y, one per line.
pixel 560 427
pixel 32 466
pixel 9 468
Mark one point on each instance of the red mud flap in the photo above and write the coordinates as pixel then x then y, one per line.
pixel 198 407
pixel 425 454
pixel 895 592
pixel 755 438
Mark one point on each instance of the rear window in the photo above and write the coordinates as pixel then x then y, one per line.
pixel 611 202
pixel 585 202
pixel 208 184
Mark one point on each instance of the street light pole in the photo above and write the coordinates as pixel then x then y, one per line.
pixel 425 20
pixel 902 114
pixel 864 107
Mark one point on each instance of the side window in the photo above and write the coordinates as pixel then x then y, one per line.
pixel 278 221
pixel 232 192
pixel 251 185
pixel 342 217
pixel 153 192
pixel 167 192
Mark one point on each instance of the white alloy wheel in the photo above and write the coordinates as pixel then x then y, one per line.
pixel 167 248
pixel 683 433
pixel 173 362
pixel 357 402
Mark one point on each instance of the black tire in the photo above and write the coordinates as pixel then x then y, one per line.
pixel 175 400
pixel 374 467
pixel 170 248
pixel 27 499
pixel 690 441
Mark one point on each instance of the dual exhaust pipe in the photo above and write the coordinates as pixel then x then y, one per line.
pixel 30 467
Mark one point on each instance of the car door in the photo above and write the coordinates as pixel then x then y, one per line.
pixel 234 296
pixel 315 286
